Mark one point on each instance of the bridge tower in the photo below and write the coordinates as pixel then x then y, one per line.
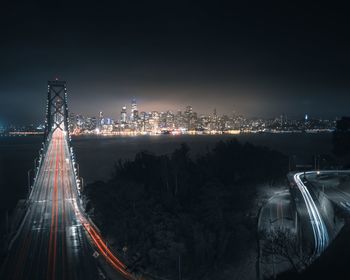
pixel 56 108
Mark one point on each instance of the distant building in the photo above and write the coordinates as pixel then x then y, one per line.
pixel 123 115
pixel 100 120
pixel 134 111
pixel 188 117
pixel 189 122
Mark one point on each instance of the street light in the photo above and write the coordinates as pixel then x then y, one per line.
pixel 78 168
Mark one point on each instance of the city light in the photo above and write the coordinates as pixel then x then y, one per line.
pixel 190 122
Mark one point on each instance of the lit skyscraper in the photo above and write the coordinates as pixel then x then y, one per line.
pixel 123 115
pixel 134 112
pixel 100 119
pixel 188 116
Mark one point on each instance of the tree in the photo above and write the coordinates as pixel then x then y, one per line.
pixel 284 246
pixel 175 212
pixel 341 137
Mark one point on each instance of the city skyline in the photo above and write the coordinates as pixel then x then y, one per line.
pixel 134 120
pixel 149 108
pixel 113 111
pixel 265 107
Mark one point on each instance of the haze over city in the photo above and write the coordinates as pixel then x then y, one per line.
pixel 258 60
pixel 174 140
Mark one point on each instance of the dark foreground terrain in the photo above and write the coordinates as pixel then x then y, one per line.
pixel 172 214
pixel 332 264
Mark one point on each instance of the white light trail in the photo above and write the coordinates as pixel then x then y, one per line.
pixel 318 227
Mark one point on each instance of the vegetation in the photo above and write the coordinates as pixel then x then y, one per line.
pixel 332 264
pixel 177 213
pixel 282 246
pixel 341 141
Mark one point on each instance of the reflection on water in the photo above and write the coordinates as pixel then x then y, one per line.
pixel 96 155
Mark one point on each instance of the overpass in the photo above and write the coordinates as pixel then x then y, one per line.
pixel 312 211
pixel 319 229
pixel 55 239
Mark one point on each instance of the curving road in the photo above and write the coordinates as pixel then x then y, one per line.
pixel 55 239
pixel 319 229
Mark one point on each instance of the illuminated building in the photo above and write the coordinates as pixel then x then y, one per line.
pixel 123 116
pixel 134 112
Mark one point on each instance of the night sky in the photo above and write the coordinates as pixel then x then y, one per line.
pixel 255 59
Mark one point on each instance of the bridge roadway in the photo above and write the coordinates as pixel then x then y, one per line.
pixel 55 240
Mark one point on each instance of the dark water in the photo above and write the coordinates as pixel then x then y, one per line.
pixel 17 156
pixel 96 155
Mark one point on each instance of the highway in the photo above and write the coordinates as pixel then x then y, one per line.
pixel 319 229
pixel 334 184
pixel 55 239
pixel 314 195
pixel 277 213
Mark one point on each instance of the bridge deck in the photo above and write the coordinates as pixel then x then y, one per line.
pixel 52 241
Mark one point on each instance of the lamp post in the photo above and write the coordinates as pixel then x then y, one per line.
pixel 78 168
pixel 82 184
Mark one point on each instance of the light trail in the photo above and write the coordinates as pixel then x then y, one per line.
pixel 319 229
pixel 54 217
pixel 100 244
pixel 95 236
pixel 44 246
pixel 55 238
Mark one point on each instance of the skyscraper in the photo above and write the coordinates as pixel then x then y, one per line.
pixel 100 119
pixel 134 112
pixel 123 115
pixel 188 116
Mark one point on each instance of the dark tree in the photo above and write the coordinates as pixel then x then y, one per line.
pixel 171 206
pixel 282 245
pixel 341 139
